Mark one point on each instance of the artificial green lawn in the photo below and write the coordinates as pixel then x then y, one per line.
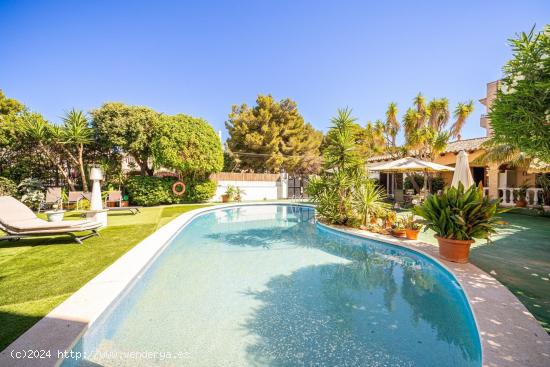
pixel 519 257
pixel 38 274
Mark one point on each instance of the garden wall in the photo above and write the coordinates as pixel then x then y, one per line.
pixel 256 186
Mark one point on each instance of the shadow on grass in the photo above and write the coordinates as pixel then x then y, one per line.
pixel 520 259
pixel 12 324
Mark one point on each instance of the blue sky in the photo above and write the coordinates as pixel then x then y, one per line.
pixel 201 57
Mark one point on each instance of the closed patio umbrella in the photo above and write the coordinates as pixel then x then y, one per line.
pixel 462 171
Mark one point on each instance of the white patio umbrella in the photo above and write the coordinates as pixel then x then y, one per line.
pixel 462 171
pixel 409 164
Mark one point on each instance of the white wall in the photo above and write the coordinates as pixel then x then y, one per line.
pixel 254 190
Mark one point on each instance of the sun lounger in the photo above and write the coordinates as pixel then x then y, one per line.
pixel 18 221
pixel 116 198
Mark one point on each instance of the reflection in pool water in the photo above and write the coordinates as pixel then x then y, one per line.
pixel 264 285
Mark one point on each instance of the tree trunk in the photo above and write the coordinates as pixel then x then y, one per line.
pixel 60 168
pixel 144 167
pixel 82 170
pixel 414 183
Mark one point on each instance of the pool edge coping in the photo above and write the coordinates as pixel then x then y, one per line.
pixel 499 339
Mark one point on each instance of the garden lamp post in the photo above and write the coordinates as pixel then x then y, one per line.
pixel 96 212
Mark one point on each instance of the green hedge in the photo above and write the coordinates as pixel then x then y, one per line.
pixel 150 191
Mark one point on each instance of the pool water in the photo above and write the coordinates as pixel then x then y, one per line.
pixel 265 285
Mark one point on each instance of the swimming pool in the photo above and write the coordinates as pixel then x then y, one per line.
pixel 265 285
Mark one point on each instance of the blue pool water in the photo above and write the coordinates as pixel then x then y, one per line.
pixel 265 285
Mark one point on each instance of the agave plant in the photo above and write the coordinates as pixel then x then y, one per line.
pixel 460 214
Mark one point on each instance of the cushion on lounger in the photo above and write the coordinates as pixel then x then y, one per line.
pixel 37 224
pixel 12 209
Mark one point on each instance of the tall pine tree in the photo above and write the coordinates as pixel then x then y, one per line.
pixel 273 135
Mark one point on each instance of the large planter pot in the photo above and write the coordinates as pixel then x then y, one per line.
pixel 398 232
pixel 412 234
pixel 521 203
pixel 124 203
pixel 456 251
pixel 225 198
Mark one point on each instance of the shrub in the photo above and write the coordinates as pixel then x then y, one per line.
pixel 150 191
pixel 201 191
pixel 32 192
pixel 7 187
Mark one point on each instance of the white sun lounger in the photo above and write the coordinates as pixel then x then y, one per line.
pixel 18 221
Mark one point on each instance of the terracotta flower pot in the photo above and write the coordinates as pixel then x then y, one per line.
pixel 398 232
pixel 521 203
pixel 456 251
pixel 412 234
pixel 225 198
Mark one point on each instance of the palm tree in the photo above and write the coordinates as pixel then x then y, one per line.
pixel 461 113
pixel 76 132
pixel 498 153
pixel 341 152
pixel 392 123
pixel 43 134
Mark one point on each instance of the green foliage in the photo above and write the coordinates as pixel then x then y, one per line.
pixel 425 125
pixel 520 115
pixel 342 152
pixel 437 183
pixel 273 135
pixel 127 128
pixel 200 191
pixel 7 187
pixel 231 191
pixel 410 222
pixel 343 194
pixel 368 199
pixel 187 144
pixel 32 192
pixel 151 191
pixel 460 214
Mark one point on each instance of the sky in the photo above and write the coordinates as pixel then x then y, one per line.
pixel 202 57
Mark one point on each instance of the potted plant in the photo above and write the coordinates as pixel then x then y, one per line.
pixel 521 195
pixel 412 227
pixel 239 193
pixel 398 228
pixel 229 194
pixel 390 218
pixel 56 214
pixel 458 216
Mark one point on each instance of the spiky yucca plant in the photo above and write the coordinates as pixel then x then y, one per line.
pixel 460 214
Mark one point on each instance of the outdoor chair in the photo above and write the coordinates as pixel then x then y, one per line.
pixel 75 197
pixel 53 197
pixel 114 197
pixel 18 221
